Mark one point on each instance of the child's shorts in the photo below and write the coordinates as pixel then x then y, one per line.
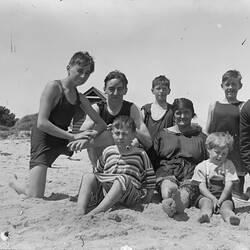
pixel 131 194
pixel 46 148
pixel 46 156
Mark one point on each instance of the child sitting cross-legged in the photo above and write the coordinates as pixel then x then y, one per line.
pixel 215 177
pixel 123 173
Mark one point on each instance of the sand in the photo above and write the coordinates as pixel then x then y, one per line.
pixel 51 223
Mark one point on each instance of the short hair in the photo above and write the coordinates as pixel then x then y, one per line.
pixel 219 139
pixel 85 56
pixel 180 103
pixel 231 74
pixel 116 74
pixel 161 79
pixel 124 121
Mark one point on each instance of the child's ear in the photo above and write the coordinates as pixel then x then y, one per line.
pixel 169 90
pixel 240 85
pixel 68 67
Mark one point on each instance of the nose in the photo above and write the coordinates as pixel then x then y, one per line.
pixel 115 92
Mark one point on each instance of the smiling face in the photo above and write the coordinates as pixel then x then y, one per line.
pixel 79 72
pixel 115 89
pixel 231 88
pixel 183 117
pixel 218 155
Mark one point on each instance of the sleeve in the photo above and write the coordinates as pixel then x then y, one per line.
pixel 231 174
pixel 245 135
pixel 199 175
pixel 150 179
pixel 210 118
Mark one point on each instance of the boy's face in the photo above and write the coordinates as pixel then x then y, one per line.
pixel 218 155
pixel 160 91
pixel 79 72
pixel 231 87
pixel 115 89
pixel 123 137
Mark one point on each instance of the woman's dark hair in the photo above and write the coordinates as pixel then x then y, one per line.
pixel 183 103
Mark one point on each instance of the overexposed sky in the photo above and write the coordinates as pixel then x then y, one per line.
pixel 192 42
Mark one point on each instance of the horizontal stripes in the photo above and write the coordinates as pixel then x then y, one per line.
pixel 135 165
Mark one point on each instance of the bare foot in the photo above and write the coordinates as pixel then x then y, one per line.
pixel 204 218
pixel 169 207
pixel 14 185
pixel 234 220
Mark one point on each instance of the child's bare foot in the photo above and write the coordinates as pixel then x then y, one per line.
pixel 204 218
pixel 14 185
pixel 234 220
pixel 169 207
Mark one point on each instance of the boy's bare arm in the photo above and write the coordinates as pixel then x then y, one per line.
pixel 204 191
pixel 226 192
pixel 209 118
pixel 141 129
pixel 93 119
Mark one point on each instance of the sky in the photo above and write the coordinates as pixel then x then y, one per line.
pixel 192 42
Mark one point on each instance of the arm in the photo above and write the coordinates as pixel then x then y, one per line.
pixel 204 191
pixel 141 130
pixel 48 101
pixel 226 192
pixel 89 123
pixel 93 119
pixel 245 135
pixel 209 118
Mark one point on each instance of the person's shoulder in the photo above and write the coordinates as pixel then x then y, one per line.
pixel 202 165
pixel 53 88
pixel 147 107
pixel 229 166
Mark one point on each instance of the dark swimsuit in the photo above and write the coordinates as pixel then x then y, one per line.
pixel 46 148
pixel 107 117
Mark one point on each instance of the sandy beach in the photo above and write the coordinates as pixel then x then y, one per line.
pixel 50 223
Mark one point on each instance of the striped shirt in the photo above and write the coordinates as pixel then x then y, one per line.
pixel 136 165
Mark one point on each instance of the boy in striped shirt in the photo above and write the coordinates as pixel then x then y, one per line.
pixel 123 173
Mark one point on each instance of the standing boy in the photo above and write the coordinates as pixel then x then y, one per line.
pixel 159 114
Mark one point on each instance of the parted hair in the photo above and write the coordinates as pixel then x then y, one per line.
pixel 85 56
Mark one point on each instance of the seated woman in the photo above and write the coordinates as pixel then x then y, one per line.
pixel 177 150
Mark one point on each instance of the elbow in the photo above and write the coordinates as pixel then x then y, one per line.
pixel 40 124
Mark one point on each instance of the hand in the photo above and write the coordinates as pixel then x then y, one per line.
pixel 215 205
pixel 109 127
pixel 87 134
pixel 78 145
pixel 135 143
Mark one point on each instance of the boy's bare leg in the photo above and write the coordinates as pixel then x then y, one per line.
pixel 111 198
pixel 169 192
pixel 206 210
pixel 168 188
pixel 227 213
pixel 88 185
pixel 36 186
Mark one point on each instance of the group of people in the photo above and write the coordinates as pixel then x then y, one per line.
pixel 137 152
